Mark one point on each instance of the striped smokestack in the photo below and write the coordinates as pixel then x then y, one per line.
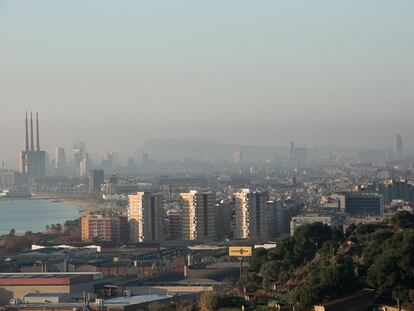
pixel 27 134
pixel 37 132
pixel 31 133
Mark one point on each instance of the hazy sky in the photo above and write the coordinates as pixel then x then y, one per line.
pixel 116 73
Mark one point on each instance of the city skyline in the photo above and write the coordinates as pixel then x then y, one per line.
pixel 316 74
pixel 206 155
pixel 80 158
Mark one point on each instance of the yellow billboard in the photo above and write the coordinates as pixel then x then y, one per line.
pixel 240 251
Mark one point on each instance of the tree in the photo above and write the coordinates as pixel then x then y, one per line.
pixel 274 272
pixel 384 274
pixel 258 258
pixel 403 219
pixel 209 302
pixel 249 281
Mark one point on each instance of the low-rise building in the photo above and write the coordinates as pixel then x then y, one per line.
pixel 18 285
pixel 330 220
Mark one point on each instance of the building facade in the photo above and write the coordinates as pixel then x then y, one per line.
pixel 145 216
pixel 96 228
pixel 361 204
pixel 198 215
pixel 250 214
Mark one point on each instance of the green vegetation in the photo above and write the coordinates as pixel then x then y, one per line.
pixel 319 263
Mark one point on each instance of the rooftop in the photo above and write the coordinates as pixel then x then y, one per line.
pixel 132 300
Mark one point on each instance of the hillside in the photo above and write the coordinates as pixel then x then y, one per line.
pixel 318 264
pixel 200 149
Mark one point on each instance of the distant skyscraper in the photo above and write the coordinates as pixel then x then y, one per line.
pixel 297 156
pixel 84 165
pixel 79 155
pixel 32 162
pixel 198 215
pixel 250 214
pixel 96 179
pixel 145 216
pixel 399 148
pixel 292 152
pixel 237 157
pixel 60 158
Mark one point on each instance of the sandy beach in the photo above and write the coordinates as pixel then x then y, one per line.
pixel 85 205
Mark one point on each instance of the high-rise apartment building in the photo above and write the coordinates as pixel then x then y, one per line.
pixel 120 229
pixel 250 214
pixel 223 220
pixel 145 216
pixel 275 218
pixel 174 225
pixel 198 215
pixel 96 228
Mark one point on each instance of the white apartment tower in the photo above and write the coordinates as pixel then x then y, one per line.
pixel 198 215
pixel 145 217
pixel 250 214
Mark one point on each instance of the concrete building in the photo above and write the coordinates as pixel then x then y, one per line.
pixel 120 228
pixel 9 178
pixel 60 159
pixel 96 228
pixel 250 215
pixel 79 156
pixel 124 303
pixel 198 215
pixel 84 165
pixel 223 220
pixel 96 179
pixel 174 225
pixel 397 190
pixel 145 216
pixel 237 157
pixel 32 162
pixel 275 218
pixel 18 285
pixel 330 220
pixel 361 204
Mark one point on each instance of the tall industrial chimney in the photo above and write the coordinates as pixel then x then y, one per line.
pixel 37 132
pixel 27 134
pixel 31 133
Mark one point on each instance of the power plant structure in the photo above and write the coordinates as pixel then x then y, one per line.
pixel 32 162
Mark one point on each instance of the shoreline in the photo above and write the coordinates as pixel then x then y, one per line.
pixel 84 205
pixel 77 206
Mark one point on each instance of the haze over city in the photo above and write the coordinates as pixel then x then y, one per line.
pixel 116 74
pixel 206 155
